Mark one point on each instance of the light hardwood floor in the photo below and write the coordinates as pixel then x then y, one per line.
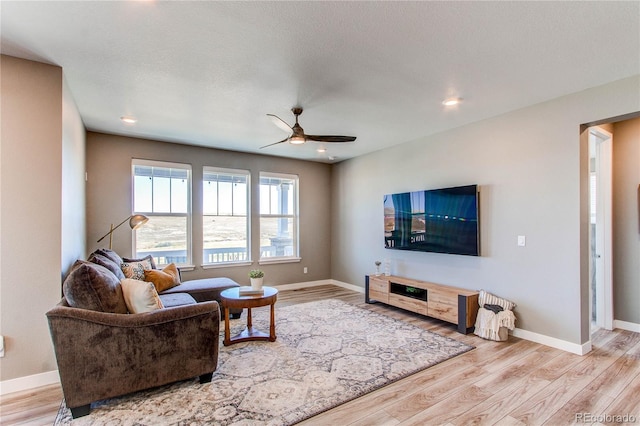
pixel 509 383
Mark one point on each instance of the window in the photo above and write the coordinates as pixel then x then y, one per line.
pixel 278 217
pixel 162 191
pixel 225 221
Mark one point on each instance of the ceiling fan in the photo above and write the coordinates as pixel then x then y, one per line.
pixel 297 135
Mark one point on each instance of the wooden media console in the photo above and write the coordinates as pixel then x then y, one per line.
pixel 451 304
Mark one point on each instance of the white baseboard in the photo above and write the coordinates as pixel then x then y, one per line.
pixel 29 382
pixel 553 342
pixel 308 284
pixel 348 286
pixel 624 325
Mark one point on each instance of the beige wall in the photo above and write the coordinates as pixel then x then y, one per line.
pixel 530 166
pixel 109 200
pixel 626 220
pixel 30 237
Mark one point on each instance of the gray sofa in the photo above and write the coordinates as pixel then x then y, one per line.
pixel 102 351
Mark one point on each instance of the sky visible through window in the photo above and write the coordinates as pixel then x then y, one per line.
pixel 161 190
pixel 224 195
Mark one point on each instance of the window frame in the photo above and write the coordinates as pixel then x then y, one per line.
pixel 230 172
pixel 188 264
pixel 295 216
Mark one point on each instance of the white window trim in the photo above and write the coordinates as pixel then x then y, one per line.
pixel 239 172
pixel 189 215
pixel 225 265
pixel 160 163
pixel 285 259
pixel 296 219
pixel 225 170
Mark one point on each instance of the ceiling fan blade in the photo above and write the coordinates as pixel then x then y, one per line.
pixel 275 143
pixel 319 138
pixel 280 123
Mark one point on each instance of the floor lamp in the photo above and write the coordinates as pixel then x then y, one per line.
pixel 135 222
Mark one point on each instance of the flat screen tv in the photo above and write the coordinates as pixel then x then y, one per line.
pixel 439 220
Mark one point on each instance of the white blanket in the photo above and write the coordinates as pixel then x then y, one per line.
pixel 488 323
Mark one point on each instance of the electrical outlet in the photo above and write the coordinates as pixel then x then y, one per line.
pixel 305 270
pixel 522 240
pixel 1 346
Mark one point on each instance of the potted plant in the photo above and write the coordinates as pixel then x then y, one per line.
pixel 256 276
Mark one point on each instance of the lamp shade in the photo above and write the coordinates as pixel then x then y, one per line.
pixel 136 221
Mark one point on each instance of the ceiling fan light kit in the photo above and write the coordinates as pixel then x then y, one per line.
pixel 297 140
pixel 297 135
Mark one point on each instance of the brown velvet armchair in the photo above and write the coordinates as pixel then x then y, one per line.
pixel 102 355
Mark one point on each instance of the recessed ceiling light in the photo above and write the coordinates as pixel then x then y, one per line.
pixel 128 119
pixel 451 101
pixel 321 150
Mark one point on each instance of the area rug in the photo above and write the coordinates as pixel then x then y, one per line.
pixel 327 352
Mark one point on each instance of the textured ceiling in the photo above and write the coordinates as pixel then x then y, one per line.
pixel 207 73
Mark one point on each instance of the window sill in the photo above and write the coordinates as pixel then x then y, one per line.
pixel 182 267
pixel 225 265
pixel 280 260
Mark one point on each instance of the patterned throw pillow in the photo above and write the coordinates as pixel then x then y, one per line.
pixel 140 296
pixel 135 270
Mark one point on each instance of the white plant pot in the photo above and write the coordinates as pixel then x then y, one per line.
pixel 256 283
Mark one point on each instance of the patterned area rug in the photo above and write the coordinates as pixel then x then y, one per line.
pixel 327 353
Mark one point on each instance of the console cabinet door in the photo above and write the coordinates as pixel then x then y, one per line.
pixel 379 289
pixel 404 302
pixel 443 304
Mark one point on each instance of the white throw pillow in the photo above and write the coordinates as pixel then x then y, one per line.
pixel 140 296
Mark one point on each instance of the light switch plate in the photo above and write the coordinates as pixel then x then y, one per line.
pixel 1 346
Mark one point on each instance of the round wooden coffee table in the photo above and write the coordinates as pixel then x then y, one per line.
pixel 231 299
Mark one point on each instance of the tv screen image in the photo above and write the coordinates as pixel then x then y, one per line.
pixel 439 220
